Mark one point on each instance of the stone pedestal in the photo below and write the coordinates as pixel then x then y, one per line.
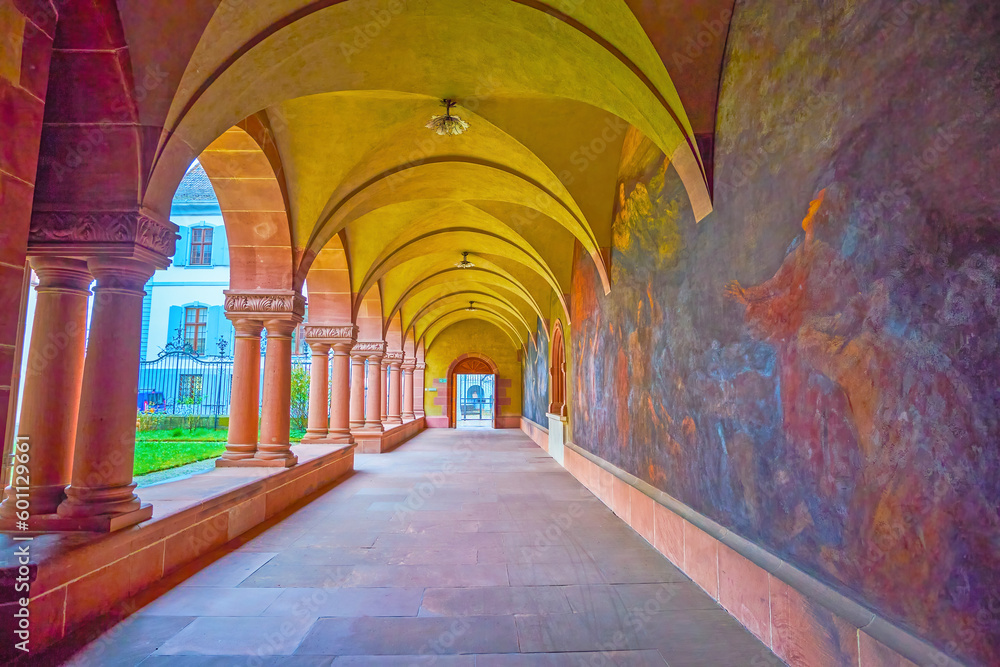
pixel 52 385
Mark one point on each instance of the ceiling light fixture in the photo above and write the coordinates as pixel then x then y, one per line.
pixel 465 263
pixel 471 307
pixel 448 123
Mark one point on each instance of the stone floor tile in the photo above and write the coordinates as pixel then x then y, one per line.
pixel 129 642
pixel 348 602
pixel 230 570
pixel 411 636
pixel 239 636
pixel 206 601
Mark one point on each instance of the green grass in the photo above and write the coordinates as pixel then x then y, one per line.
pixel 183 435
pixel 154 456
pixel 169 448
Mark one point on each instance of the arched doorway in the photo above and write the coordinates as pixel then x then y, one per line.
pixel 472 396
pixel 557 372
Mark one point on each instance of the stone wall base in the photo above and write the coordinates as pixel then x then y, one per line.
pixel 801 619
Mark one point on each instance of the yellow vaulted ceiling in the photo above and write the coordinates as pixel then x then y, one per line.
pixel 549 90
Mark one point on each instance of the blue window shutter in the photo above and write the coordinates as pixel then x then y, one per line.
pixel 212 330
pixel 183 247
pixel 220 246
pixel 175 322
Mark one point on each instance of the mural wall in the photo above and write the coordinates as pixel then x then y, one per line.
pixel 535 379
pixel 815 364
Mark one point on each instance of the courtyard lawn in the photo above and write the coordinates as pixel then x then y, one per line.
pixel 170 448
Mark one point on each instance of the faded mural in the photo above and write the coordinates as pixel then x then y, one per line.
pixel 815 365
pixel 535 379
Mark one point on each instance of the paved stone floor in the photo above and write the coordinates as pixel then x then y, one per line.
pixel 457 549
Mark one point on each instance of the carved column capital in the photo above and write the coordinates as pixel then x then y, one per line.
pixel 373 350
pixel 339 337
pixel 393 358
pixel 135 234
pixel 268 305
pixel 409 366
pixel 61 274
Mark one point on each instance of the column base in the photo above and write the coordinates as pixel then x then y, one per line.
pixel 100 523
pixel 331 439
pixel 375 427
pixel 235 452
pixel 315 434
pixel 393 421
pixel 41 500
pixel 409 416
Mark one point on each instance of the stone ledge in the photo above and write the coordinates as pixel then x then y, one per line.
pixel 84 575
pixel 801 619
pixel 379 442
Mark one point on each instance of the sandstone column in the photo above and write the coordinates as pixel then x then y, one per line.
pixel 318 426
pixel 101 494
pixel 279 311
pixel 274 447
pixel 53 382
pixel 419 390
pixel 374 351
pixel 244 405
pixel 341 342
pixel 357 390
pixel 384 393
pixel 395 359
pixel 408 367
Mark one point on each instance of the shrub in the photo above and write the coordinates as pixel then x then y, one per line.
pixel 300 398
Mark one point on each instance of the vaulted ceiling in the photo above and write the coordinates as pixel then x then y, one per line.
pixel 310 119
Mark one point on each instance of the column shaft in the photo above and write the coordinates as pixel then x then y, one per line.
pixel 376 394
pixel 244 406
pixel 419 390
pixel 52 384
pixel 383 394
pixel 319 402
pixel 274 444
pixel 340 396
pixel 408 413
pixel 101 488
pixel 357 391
pixel 394 394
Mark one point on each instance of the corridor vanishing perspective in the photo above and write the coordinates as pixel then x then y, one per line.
pixel 460 549
pixel 620 331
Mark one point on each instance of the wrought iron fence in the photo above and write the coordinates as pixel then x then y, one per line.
pixel 183 382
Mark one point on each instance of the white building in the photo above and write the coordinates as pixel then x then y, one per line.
pixel 184 303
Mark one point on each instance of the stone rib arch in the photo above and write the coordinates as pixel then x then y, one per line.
pixel 254 209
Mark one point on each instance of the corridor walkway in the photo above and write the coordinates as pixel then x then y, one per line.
pixel 459 548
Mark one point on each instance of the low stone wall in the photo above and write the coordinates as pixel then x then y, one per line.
pixel 389 439
pixel 787 609
pixel 81 576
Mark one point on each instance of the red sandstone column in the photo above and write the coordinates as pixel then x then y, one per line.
pixel 53 382
pixel 244 406
pixel 357 390
pixel 376 393
pixel 418 390
pixel 101 492
pixel 340 397
pixel 408 368
pixel 394 392
pixel 274 444
pixel 384 393
pixel 318 391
